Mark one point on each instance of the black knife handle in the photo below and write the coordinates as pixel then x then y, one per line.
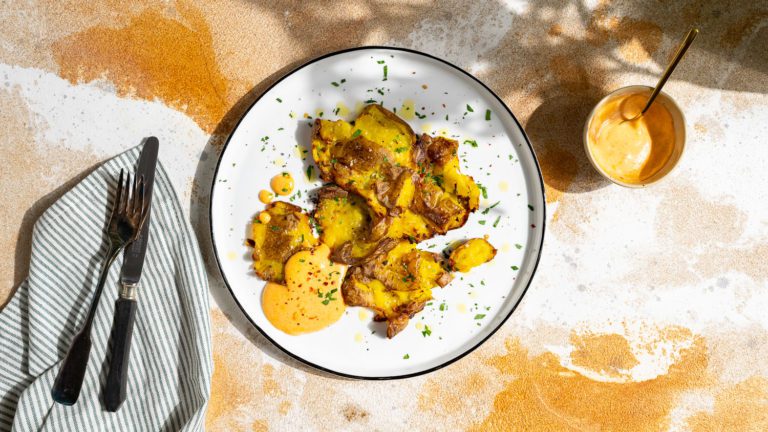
pixel 122 330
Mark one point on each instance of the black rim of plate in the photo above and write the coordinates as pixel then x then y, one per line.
pixel 535 263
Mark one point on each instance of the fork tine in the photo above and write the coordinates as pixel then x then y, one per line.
pixel 127 195
pixel 118 195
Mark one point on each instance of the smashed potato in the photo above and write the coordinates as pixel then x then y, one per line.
pixel 287 231
pixel 471 254
pixel 395 282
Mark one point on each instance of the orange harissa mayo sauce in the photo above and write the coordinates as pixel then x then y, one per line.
pixel 311 299
pixel 266 196
pixel 282 184
pixel 631 151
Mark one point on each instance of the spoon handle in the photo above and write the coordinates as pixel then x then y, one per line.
pixel 679 55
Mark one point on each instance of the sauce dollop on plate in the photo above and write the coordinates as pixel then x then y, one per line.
pixel 311 298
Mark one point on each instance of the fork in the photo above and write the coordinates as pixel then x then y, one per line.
pixel 128 215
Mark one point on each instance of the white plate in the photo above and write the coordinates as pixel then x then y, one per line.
pixel 274 133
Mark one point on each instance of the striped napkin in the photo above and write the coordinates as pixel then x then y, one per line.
pixel 170 367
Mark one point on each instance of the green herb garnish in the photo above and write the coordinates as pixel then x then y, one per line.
pixel 479 316
pixel 492 206
pixel 469 108
pixel 488 115
pixel 483 190
pixel 357 133
pixel 426 332
pixel 473 143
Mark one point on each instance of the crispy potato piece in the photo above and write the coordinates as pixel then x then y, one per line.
pixel 376 124
pixel 471 254
pixel 373 157
pixel 444 195
pixel 440 154
pixel 287 232
pixel 349 227
pixel 395 282
pixel 395 307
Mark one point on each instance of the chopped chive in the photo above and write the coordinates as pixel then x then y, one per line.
pixel 530 207
pixel 490 207
pixel 496 222
pixel 469 108
pixel 515 268
pixel 483 190
pixel 482 222
pixel 385 73
pixel 518 245
pixel 357 133
pixel 380 61
pixel 479 316
pixel 309 172
pixel 279 100
pixel 488 115
pixel 473 143
pixel 335 84
pixel 406 357
pixel 426 332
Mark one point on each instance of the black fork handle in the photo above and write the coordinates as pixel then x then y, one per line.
pixel 69 380
pixel 122 331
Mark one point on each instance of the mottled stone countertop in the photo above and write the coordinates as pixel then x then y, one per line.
pixel 648 311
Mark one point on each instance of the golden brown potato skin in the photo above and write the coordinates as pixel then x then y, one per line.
pixel 287 232
pixel 396 282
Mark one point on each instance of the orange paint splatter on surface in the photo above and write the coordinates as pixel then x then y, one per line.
pixel 745 26
pixel 435 399
pixel 545 396
pixel 259 426
pixel 742 407
pixel 638 40
pixel 35 174
pixel 284 407
pixel 555 30
pixel 353 413
pixel 153 57
pixel 609 354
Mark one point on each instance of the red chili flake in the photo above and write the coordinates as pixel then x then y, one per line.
pixel 533 225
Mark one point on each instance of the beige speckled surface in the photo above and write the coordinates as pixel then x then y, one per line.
pixel 648 311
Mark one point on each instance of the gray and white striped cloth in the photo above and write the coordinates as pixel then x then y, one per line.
pixel 170 366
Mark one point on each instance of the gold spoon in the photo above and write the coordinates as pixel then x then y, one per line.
pixel 665 76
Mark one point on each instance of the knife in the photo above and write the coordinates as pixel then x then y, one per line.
pixel 130 274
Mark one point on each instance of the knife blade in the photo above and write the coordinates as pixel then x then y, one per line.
pixel 133 257
pixel 125 307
